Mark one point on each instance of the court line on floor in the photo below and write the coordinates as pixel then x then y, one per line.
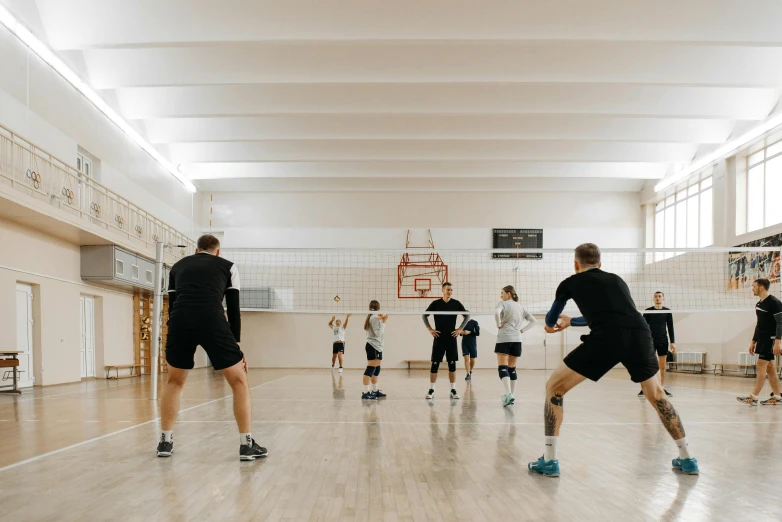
pixel 424 423
pixel 107 435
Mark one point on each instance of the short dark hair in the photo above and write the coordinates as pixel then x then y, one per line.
pixel 658 292
pixel 588 254
pixel 765 283
pixel 208 242
pixel 447 284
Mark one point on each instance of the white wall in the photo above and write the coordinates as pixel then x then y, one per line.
pixel 39 105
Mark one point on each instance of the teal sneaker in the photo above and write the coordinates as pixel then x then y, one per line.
pixel 686 466
pixel 549 468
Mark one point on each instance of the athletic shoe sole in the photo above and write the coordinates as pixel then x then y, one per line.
pixel 252 457
pixel 164 453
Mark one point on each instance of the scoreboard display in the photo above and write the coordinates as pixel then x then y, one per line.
pixel 507 238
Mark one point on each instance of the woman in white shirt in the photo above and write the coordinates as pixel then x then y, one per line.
pixel 510 316
pixel 374 326
pixel 338 342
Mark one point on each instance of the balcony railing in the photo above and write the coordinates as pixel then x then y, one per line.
pixel 37 173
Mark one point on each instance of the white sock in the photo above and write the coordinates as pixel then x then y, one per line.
pixel 246 439
pixel 366 388
pixel 374 386
pixel 453 385
pixel 550 452
pixel 506 383
pixel 513 387
pixel 167 436
pixel 431 386
pixel 684 451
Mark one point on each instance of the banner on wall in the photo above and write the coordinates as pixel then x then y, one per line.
pixel 745 267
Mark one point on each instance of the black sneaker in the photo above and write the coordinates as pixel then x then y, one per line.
pixel 251 452
pixel 454 394
pixel 165 449
pixel 378 394
pixel 468 377
pixel 640 393
pixel 368 396
pixel 667 393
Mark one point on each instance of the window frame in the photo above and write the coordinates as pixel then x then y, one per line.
pixel 679 204
pixel 751 162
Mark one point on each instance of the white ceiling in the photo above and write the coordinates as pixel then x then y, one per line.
pixel 329 95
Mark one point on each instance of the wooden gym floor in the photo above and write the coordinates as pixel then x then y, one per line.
pixel 87 452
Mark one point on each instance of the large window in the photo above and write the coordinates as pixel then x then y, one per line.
pixel 763 188
pixel 684 219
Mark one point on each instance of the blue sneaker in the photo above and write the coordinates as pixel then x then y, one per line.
pixel 548 468
pixel 368 396
pixel 378 394
pixel 686 466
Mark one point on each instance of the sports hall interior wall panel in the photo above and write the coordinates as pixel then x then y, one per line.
pixel 28 250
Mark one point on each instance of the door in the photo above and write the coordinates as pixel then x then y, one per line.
pixel 87 323
pixel 24 334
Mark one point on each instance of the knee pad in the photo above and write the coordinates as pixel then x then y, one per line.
pixel 512 373
pixel 451 366
pixel 370 371
pixel 503 371
pixel 377 371
pixel 435 367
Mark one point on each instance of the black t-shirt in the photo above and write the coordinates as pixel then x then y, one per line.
pixel 659 323
pixel 197 285
pixel 445 324
pixel 603 299
pixel 766 310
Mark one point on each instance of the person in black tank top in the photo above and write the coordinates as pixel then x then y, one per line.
pixel 618 334
pixel 196 289
pixel 766 343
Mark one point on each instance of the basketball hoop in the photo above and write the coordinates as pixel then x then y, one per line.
pixel 422 292
pixel 419 270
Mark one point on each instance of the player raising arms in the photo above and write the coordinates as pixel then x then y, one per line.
pixel 338 345
pixel 618 333
pixel 374 326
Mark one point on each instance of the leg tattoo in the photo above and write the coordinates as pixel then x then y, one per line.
pixel 669 418
pixel 552 415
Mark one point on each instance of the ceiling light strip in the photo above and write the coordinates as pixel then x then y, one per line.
pixel 722 152
pixel 48 56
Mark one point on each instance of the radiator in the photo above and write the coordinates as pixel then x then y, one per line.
pixel 690 361
pixel 746 358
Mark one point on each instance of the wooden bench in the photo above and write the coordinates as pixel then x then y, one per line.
pixel 412 361
pixel 135 370
pixel 719 369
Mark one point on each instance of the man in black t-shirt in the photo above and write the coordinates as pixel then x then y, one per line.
pixel 661 325
pixel 196 289
pixel 766 344
pixel 445 334
pixel 618 334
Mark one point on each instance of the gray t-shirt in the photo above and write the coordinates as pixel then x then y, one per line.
pixel 513 315
pixel 375 333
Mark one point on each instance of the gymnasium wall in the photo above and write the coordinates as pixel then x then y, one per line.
pixel 39 105
pixel 57 342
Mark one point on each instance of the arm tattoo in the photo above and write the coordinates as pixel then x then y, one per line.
pixel 549 416
pixel 670 418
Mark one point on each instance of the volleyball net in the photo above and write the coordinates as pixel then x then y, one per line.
pixel 405 281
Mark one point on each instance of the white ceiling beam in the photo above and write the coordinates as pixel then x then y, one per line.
pixel 436 186
pixel 425 169
pixel 124 22
pixel 416 126
pixel 452 98
pixel 520 150
pixel 453 61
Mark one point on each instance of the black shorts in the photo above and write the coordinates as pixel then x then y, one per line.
pixel 445 346
pixel 601 351
pixel 338 348
pixel 214 336
pixel 765 350
pixel 373 354
pixel 661 347
pixel 471 350
pixel 513 349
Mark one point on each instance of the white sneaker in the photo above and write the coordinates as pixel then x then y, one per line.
pixel 340 370
pixel 454 395
pixel 508 399
pixel 430 394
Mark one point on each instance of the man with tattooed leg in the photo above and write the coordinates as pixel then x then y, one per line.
pixel 618 334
